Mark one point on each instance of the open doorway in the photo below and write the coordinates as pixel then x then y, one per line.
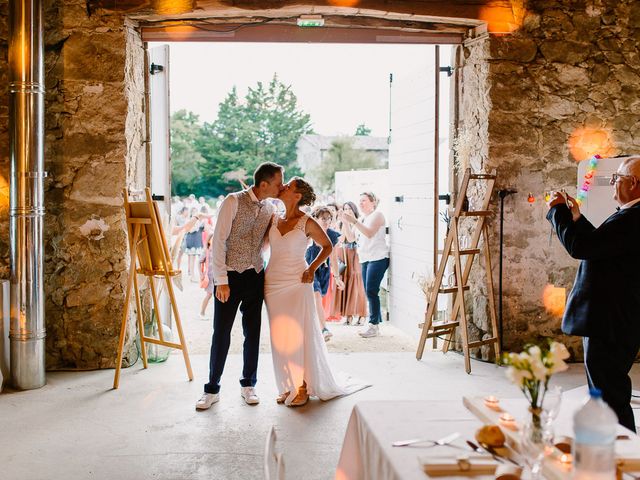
pixel 379 101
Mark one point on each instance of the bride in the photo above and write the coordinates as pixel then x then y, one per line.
pixel 298 348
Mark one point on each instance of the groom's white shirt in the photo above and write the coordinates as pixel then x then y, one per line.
pixel 226 214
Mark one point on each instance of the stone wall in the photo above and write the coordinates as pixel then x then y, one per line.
pixel 572 66
pixel 93 149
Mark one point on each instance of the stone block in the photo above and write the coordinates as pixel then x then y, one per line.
pixel 625 121
pixel 99 57
pixel 88 294
pixel 626 75
pixel 513 49
pixel 556 21
pixel 600 73
pixel 614 57
pixel 585 24
pixel 570 52
pixel 633 18
pixel 558 108
pixel 571 75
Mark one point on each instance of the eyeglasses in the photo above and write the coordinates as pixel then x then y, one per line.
pixel 616 176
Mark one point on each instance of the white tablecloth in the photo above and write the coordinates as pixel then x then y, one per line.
pixel 367 453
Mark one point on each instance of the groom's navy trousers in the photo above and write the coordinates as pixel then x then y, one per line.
pixel 246 292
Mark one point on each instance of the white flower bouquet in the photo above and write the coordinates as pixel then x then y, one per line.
pixel 532 369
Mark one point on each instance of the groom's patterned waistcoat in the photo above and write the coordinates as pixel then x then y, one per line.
pixel 244 245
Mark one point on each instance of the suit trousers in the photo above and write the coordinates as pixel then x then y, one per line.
pixel 246 292
pixel 608 364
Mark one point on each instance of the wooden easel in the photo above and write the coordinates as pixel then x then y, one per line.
pixel 149 257
pixel 430 329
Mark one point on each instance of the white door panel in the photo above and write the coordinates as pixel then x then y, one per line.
pixel 160 161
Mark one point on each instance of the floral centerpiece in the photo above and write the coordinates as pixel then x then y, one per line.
pixel 531 370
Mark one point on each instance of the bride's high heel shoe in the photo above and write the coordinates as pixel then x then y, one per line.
pixel 301 398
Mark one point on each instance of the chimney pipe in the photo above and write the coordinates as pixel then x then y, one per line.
pixel 26 151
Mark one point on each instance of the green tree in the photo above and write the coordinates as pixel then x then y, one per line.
pixel 223 146
pixel 264 127
pixel 341 157
pixel 185 157
pixel 363 131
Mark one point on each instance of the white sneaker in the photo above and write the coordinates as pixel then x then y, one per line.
pixel 206 400
pixel 372 331
pixel 249 395
pixel 203 317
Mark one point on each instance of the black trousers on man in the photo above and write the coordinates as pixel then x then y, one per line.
pixel 247 292
pixel 608 365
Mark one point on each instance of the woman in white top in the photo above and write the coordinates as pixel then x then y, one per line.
pixel 374 255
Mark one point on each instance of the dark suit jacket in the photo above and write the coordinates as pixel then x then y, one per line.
pixel 605 299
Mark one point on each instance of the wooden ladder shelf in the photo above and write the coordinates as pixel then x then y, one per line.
pixel 431 329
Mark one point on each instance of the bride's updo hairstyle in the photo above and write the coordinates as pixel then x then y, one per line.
pixel 306 190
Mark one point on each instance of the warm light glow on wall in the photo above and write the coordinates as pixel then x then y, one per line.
pixel 4 194
pixel 586 142
pixel 554 300
pixel 344 3
pixel 501 19
pixel 172 7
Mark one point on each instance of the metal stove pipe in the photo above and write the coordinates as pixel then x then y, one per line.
pixel 26 151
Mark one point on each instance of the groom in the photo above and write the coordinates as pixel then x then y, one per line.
pixel 237 262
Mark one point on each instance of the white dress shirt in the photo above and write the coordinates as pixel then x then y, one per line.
pixel 630 204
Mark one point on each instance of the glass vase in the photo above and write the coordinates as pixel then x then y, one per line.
pixel 533 442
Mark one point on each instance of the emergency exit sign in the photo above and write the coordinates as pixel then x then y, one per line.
pixel 310 21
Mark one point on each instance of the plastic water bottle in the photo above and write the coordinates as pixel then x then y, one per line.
pixel 594 428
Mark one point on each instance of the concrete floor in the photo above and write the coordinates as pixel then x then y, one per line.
pixel 77 427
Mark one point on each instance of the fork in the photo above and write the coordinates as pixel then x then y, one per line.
pixel 443 441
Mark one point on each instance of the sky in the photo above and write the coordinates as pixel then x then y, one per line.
pixel 339 85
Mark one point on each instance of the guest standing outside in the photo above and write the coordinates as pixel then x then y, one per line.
pixel 374 255
pixel 351 301
pixel 193 245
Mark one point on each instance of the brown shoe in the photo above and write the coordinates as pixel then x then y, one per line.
pixel 281 398
pixel 301 398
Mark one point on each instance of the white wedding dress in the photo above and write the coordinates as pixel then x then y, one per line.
pixel 297 345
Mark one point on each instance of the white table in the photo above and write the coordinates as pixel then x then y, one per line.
pixel 367 453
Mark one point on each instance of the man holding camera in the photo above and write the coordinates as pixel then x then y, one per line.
pixel 604 304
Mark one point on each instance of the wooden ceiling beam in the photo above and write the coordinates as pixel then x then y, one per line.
pixel 293 34
pixel 500 15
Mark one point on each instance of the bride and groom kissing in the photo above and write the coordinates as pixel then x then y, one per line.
pixel 246 224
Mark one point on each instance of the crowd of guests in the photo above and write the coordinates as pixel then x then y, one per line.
pixel 346 286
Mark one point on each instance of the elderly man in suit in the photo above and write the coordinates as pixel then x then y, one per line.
pixel 604 304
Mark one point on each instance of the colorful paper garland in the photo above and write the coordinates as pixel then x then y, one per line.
pixel 588 179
